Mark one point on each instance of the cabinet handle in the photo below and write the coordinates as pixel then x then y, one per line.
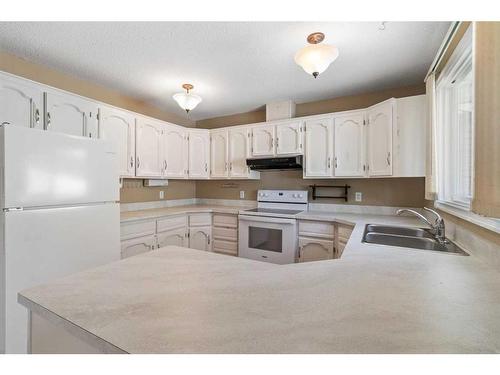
pixel 230 166
pixel 208 239
pixel 389 158
pixel 138 162
pixel 131 161
pixel 48 121
pixel 5 123
pixel 206 167
pixel 329 163
pixel 272 142
pixel 225 166
pixel 165 165
pixel 277 143
pixel 336 165
pixel 37 116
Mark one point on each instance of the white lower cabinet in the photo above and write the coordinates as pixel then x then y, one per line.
pixel 138 245
pixel 313 249
pixel 173 237
pixel 200 238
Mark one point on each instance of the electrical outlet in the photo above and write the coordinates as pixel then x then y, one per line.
pixel 242 194
pixel 358 197
pixel 162 194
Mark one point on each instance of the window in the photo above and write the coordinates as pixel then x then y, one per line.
pixel 455 127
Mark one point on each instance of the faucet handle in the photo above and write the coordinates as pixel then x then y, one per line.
pixel 438 216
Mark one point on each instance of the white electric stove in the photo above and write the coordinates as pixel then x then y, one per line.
pixel 269 232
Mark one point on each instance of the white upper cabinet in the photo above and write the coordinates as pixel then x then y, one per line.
pixel 175 149
pixel 289 138
pixel 69 114
pixel 148 148
pixel 118 127
pixel 319 147
pixel 199 153
pixel 238 152
pixel 21 103
pixel 349 140
pixel 219 154
pixel 380 121
pixel 263 141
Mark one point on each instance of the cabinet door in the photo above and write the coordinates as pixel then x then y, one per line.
pixel 118 127
pixel 263 140
pixel 200 238
pixel 148 148
pixel 289 138
pixel 65 113
pixel 137 246
pixel 319 148
pixel 21 103
pixel 175 149
pixel 349 145
pixel 199 153
pixel 238 152
pixel 174 237
pixel 218 154
pixel 312 249
pixel 380 139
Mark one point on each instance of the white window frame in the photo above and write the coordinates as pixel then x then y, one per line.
pixel 447 193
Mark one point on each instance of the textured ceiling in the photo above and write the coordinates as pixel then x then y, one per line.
pixel 236 66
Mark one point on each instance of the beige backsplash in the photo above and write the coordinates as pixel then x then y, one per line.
pixel 406 192
pixel 134 191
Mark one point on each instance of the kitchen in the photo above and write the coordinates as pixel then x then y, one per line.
pixel 321 212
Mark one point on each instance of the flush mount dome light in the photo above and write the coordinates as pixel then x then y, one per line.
pixel 186 100
pixel 315 58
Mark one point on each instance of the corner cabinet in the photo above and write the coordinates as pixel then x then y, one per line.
pixel 218 154
pixel 319 147
pixel 200 238
pixel 199 153
pixel 380 128
pixel 70 114
pixel 349 140
pixel 118 127
pixel 175 151
pixel 21 103
pixel 148 148
pixel 313 249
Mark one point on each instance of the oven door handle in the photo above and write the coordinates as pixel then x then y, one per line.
pixel 266 219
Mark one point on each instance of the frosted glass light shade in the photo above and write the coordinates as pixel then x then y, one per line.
pixel 187 101
pixel 316 58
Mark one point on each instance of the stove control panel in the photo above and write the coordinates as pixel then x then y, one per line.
pixel 283 196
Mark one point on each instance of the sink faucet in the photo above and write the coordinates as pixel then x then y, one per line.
pixel 437 228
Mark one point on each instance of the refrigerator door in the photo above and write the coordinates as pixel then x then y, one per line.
pixel 49 169
pixel 41 245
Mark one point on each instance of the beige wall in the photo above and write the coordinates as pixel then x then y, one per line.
pixel 406 192
pixel 344 103
pixel 43 74
pixel 134 191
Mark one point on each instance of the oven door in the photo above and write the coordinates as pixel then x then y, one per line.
pixel 268 239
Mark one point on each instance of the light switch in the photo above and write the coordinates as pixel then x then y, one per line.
pixel 242 194
pixel 162 194
pixel 358 197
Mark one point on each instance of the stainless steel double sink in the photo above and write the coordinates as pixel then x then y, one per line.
pixel 415 238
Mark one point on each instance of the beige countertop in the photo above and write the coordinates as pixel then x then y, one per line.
pixel 375 299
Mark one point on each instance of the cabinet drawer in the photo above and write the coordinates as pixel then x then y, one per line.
pixel 225 247
pixel 200 219
pixel 227 221
pixel 137 229
pixel 319 229
pixel 169 223
pixel 228 234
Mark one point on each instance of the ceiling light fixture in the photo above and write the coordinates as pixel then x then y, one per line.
pixel 315 58
pixel 186 100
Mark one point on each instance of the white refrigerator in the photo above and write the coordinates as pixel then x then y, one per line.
pixel 59 215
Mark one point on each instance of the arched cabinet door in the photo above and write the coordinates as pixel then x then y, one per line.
pixel 174 237
pixel 218 154
pixel 319 147
pixel 238 152
pixel 118 127
pixel 380 123
pixel 200 238
pixel 70 114
pixel 349 160
pixel 312 249
pixel 263 140
pixel 148 144
pixel 137 246
pixel 289 138
pixel 175 150
pixel 21 103
pixel 199 153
